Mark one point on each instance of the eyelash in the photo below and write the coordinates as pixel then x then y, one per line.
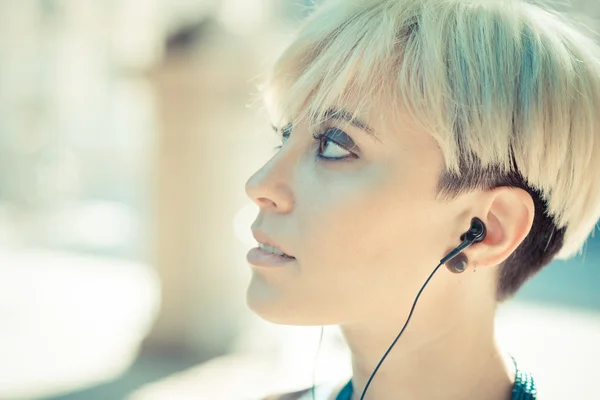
pixel 321 137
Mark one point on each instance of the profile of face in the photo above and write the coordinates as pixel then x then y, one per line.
pixel 354 202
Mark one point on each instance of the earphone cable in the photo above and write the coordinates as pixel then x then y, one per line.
pixel 401 332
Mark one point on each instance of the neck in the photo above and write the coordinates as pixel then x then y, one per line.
pixel 451 355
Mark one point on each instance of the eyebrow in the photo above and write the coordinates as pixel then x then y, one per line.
pixel 280 130
pixel 345 115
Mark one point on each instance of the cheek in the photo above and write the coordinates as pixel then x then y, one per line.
pixel 355 228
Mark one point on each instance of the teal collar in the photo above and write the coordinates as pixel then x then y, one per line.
pixel 523 389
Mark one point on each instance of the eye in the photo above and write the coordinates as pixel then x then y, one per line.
pixel 334 144
pixel 285 135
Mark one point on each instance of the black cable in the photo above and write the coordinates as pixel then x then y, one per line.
pixel 400 334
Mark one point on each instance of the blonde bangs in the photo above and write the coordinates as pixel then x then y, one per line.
pixel 343 60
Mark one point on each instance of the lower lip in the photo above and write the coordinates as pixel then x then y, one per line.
pixel 261 258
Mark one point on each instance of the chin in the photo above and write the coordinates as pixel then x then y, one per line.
pixel 272 306
pixel 268 305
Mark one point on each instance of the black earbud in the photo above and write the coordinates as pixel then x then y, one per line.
pixel 456 261
pixel 476 232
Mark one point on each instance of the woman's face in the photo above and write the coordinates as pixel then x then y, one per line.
pixel 365 228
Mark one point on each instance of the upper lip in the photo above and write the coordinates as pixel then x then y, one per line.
pixel 263 238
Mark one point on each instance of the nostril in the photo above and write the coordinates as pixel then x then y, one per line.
pixel 266 202
pixel 273 193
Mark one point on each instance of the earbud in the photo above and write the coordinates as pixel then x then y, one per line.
pixel 456 261
pixel 476 232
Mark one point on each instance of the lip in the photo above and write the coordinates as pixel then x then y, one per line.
pixel 261 258
pixel 263 238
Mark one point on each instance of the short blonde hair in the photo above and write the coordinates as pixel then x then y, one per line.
pixel 504 87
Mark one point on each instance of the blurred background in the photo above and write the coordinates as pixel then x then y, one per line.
pixel 127 133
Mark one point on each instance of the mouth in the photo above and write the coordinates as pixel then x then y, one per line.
pixel 273 250
pixel 268 245
pixel 260 257
pixel 268 253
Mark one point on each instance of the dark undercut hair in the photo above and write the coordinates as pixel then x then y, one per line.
pixel 545 239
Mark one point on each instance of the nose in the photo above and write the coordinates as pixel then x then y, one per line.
pixel 270 189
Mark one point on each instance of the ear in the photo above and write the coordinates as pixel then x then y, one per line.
pixel 508 216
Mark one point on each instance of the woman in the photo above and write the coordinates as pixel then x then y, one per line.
pixel 404 124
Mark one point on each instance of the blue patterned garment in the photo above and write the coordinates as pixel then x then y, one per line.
pixel 523 389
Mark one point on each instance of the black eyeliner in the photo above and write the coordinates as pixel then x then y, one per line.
pixel 346 144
